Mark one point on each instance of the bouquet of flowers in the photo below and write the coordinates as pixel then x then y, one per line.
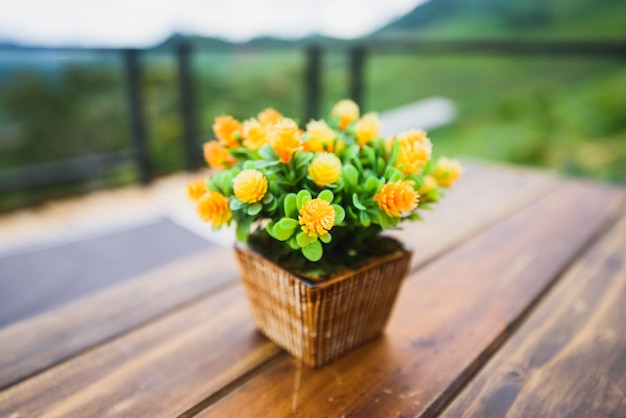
pixel 316 200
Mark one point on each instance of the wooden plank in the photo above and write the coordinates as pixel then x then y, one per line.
pixel 155 371
pixel 36 344
pixel 48 339
pixel 449 318
pixel 486 194
pixel 569 357
pixel 86 370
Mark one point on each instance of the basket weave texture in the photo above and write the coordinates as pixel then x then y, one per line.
pixel 318 322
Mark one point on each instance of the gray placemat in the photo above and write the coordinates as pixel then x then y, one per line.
pixel 37 280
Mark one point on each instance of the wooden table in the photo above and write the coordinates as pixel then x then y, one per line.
pixel 514 305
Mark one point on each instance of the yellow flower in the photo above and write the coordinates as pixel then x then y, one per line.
pixel 367 128
pixel 226 130
pixel 346 111
pixel 447 171
pixel 429 184
pixel 217 156
pixel 250 186
pixel 321 137
pixel 196 189
pixel 325 169
pixel 254 134
pixel 285 139
pixel 397 197
pixel 317 217
pixel 415 151
pixel 270 117
pixel 214 208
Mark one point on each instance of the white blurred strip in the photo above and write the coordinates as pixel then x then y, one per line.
pixel 426 114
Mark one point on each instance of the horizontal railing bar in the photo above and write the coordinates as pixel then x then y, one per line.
pixel 586 47
pixel 65 170
pixel 500 47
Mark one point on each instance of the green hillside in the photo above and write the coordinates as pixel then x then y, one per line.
pixel 519 18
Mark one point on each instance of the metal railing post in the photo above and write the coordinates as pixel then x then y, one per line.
pixel 357 63
pixel 185 82
pixel 137 117
pixel 312 83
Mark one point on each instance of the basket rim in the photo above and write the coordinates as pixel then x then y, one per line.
pixel 338 277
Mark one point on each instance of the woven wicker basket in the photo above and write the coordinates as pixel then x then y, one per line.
pixel 320 321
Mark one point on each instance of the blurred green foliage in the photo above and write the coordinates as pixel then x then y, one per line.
pixel 562 114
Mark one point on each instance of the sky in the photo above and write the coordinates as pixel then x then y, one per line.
pixel 141 23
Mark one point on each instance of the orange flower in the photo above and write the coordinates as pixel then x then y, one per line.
pixel 227 129
pixel 317 217
pixel 250 186
pixel 321 137
pixel 270 117
pixel 395 198
pixel 213 208
pixel 346 111
pixel 325 169
pixel 415 151
pixel 254 134
pixel 285 139
pixel 196 188
pixel 447 171
pixel 217 157
pixel 367 128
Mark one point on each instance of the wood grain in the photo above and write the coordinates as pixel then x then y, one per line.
pixel 35 344
pixel 569 357
pixel 449 318
pixel 120 379
pixel 484 195
pixel 158 370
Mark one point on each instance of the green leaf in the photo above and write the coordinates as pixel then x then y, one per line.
pixel 356 202
pixel 371 185
pixel 418 181
pixel 326 195
pixel 365 219
pixel 243 228
pixel 236 204
pixel 223 181
pixel 284 229
pixel 248 165
pixel 289 205
pixel 381 166
pixel 272 206
pixel 384 221
pixel 428 167
pixel 259 164
pixel 352 152
pixel 269 228
pixel 313 252
pixel 340 214
pixel 302 197
pixel 254 209
pixel 267 153
pixel 370 155
pixel 396 176
pixel 293 244
pixel 350 175
pixel 326 238
pixel 303 159
pixel 268 198
pixel 304 239
pixel 415 217
pixel 395 154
